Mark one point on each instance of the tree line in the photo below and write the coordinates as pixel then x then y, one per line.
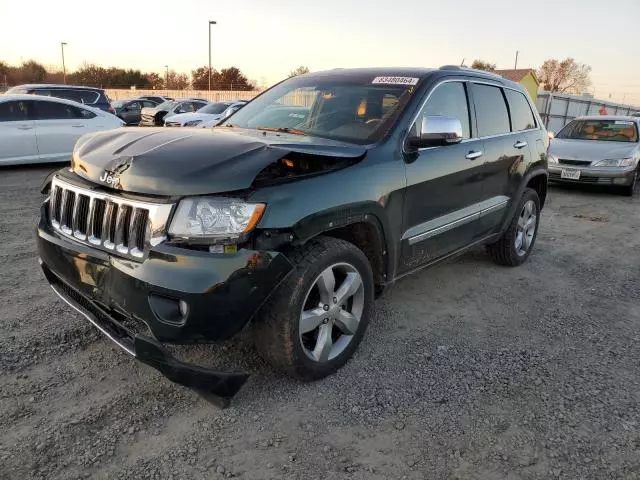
pixel 113 77
pixel 561 76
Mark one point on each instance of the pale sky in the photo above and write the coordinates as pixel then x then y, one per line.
pixel 268 38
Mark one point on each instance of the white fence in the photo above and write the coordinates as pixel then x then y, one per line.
pixel 211 95
pixel 557 110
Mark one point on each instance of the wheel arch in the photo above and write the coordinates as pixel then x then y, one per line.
pixel 537 179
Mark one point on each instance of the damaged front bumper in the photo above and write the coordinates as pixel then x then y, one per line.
pixel 216 387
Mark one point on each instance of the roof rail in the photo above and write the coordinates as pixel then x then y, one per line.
pixel 456 67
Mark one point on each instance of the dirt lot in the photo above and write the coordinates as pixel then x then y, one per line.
pixel 468 370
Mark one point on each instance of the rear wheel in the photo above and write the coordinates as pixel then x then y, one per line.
pixel 316 319
pixel 515 245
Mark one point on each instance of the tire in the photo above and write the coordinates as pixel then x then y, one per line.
pixel 630 189
pixel 506 250
pixel 279 332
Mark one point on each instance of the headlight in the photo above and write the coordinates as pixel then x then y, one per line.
pixel 615 162
pixel 214 219
pixel 192 123
pixel 552 158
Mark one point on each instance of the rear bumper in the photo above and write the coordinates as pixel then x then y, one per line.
pixel 593 176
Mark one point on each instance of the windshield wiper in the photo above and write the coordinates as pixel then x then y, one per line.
pixel 293 131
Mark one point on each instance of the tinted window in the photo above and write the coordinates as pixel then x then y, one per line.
pixel 16 111
pixel 81 96
pixel 450 99
pixel 148 103
pixel 491 111
pixel 521 115
pixel 214 108
pixel 60 111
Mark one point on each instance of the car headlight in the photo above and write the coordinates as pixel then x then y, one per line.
pixel 552 158
pixel 212 219
pixel 192 123
pixel 615 162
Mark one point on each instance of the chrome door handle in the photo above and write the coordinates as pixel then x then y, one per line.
pixel 77 126
pixel 25 127
pixel 520 144
pixel 473 155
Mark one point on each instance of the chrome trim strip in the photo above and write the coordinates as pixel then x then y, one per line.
pixel 436 226
pixel 92 319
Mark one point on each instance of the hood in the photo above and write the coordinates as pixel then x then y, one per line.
pixel 590 150
pixel 178 162
pixel 188 117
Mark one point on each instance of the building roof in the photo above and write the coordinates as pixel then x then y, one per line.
pixel 518 74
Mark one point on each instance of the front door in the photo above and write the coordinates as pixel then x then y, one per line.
pixel 444 195
pixel 58 126
pixel 17 133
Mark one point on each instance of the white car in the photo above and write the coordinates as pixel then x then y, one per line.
pixel 36 129
pixel 211 113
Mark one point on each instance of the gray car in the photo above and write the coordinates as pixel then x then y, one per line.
pixel 601 150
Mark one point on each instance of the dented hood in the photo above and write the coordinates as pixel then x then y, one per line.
pixel 171 161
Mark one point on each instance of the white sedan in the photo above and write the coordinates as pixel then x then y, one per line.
pixel 209 114
pixel 35 129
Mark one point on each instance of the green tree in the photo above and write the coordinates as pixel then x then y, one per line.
pixel 154 80
pixel 566 76
pixel 482 65
pixel 31 72
pixel 200 78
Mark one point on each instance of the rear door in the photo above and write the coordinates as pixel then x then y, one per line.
pixel 58 126
pixel 17 133
pixel 444 194
pixel 132 113
pixel 506 153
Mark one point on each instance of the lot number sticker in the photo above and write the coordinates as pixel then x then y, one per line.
pixel 396 80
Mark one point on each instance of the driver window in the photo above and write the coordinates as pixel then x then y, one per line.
pixel 450 99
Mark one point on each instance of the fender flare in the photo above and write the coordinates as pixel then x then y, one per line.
pixel 533 172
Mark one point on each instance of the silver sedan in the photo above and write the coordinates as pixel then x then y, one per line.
pixel 601 150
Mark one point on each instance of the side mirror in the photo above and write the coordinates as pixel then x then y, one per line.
pixel 437 130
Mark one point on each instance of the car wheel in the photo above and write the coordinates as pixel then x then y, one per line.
pixel 315 320
pixel 515 245
pixel 630 189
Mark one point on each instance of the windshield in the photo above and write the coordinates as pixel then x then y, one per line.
pixel 166 105
pixel 608 130
pixel 214 108
pixel 354 109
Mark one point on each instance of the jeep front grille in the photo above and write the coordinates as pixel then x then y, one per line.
pixel 109 222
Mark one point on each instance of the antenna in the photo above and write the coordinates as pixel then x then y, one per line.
pixel 462 62
pixel 515 67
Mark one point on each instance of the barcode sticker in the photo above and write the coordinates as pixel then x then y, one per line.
pixel 396 80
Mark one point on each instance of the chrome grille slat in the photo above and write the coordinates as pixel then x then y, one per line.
pixel 107 221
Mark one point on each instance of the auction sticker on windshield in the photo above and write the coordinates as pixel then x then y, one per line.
pixel 396 80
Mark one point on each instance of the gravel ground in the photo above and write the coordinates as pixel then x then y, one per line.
pixel 468 370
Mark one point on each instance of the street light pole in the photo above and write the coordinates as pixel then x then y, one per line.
pixel 64 70
pixel 211 22
pixel 166 78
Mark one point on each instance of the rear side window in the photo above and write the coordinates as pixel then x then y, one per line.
pixel 521 115
pixel 491 110
pixel 88 97
pixel 60 111
pixel 17 111
pixel 450 99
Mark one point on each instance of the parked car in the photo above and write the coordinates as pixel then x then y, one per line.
pixel 600 150
pixel 154 116
pixel 91 96
pixel 130 110
pixel 158 99
pixel 195 234
pixel 211 112
pixel 36 129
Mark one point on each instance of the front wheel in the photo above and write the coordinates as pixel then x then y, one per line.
pixel 515 245
pixel 315 320
pixel 630 189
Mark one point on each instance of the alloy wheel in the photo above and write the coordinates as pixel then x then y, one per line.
pixel 331 312
pixel 526 228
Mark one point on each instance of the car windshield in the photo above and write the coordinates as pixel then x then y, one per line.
pixel 607 130
pixel 166 105
pixel 358 109
pixel 214 108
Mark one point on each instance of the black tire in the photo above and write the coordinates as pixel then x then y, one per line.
pixel 277 333
pixel 504 251
pixel 630 189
